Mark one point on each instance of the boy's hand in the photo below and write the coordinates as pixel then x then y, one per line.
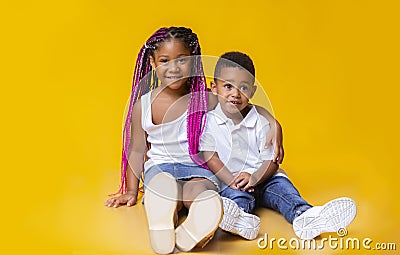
pixel 250 185
pixel 241 181
pixel 129 198
pixel 275 138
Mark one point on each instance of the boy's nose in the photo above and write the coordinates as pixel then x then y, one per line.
pixel 235 92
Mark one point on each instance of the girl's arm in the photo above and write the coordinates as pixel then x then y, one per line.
pixel 275 135
pixel 135 161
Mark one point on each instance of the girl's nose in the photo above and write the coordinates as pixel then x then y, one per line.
pixel 174 66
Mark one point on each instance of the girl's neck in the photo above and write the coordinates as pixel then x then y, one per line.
pixel 177 93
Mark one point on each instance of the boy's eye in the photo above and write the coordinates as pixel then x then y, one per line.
pixel 243 88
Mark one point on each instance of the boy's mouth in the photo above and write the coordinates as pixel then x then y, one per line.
pixel 235 102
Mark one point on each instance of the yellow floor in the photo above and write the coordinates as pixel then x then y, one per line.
pixel 78 223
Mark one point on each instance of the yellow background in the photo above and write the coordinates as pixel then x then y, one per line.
pixel 330 69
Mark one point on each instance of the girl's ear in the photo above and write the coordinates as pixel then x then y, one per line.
pixel 213 87
pixel 152 62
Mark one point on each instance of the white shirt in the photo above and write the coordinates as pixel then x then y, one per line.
pixel 240 147
pixel 169 143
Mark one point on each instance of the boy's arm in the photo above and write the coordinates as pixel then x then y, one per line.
pixel 263 173
pixel 218 168
pixel 267 167
pixel 135 161
pixel 275 136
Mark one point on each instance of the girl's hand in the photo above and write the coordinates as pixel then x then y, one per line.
pixel 275 138
pixel 129 198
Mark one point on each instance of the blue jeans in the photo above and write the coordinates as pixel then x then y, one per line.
pixel 277 193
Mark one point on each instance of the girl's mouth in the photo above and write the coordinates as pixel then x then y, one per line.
pixel 175 77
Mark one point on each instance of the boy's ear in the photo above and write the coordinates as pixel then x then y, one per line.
pixel 213 87
pixel 152 63
pixel 253 92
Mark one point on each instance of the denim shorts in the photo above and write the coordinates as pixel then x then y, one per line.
pixel 181 173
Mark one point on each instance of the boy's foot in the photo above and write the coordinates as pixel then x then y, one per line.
pixel 239 222
pixel 160 203
pixel 330 217
pixel 205 214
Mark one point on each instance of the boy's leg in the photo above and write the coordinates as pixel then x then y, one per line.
pixel 308 222
pixel 279 194
pixel 244 200
pixel 205 214
pixel 237 219
pixel 331 217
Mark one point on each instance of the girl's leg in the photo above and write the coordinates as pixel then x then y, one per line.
pixel 192 188
pixel 205 214
pixel 160 202
pixel 179 205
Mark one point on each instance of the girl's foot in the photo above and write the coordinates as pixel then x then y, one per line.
pixel 160 204
pixel 238 222
pixel 330 217
pixel 203 219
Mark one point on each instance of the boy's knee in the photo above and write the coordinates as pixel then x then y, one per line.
pixel 232 194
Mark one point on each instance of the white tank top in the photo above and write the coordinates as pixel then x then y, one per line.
pixel 168 141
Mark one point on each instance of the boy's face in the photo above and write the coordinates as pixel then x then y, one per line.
pixel 234 87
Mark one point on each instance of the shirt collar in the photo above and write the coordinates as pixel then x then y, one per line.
pixel 249 121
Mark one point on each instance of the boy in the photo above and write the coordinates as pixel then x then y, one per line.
pixel 233 146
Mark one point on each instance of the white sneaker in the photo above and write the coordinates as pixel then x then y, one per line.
pixel 203 219
pixel 330 217
pixel 238 222
pixel 160 203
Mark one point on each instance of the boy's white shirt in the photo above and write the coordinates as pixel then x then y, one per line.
pixel 240 147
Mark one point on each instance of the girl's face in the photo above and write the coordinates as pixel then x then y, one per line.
pixel 172 63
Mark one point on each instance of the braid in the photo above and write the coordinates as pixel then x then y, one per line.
pixel 197 109
pixel 142 83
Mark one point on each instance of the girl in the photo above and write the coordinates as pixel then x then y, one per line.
pixel 170 119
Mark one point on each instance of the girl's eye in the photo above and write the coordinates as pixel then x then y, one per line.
pixel 163 60
pixel 228 86
pixel 182 60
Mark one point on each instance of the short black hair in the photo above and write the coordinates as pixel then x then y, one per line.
pixel 234 59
